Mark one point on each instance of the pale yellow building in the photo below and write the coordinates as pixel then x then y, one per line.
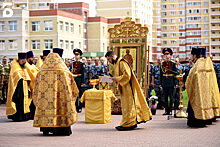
pixel 139 10
pixel 55 28
pixel 14 33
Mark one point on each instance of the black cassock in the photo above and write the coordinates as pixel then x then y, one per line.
pixel 18 99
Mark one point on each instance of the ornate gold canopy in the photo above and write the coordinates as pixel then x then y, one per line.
pixel 128 29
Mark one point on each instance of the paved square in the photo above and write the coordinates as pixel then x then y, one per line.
pixel 157 132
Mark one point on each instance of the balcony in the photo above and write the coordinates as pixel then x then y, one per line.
pixel 215 43
pixel 215 51
pixel 215 36
pixel 215 13
pixel 215 5
pixel 216 58
pixel 215 20
pixel 215 28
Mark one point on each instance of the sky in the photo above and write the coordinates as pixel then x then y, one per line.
pixel 92 5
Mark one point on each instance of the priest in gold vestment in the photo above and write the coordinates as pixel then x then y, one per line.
pixel 203 93
pixel 134 106
pixel 54 95
pixel 18 99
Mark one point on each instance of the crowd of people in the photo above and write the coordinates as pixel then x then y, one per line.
pixel 48 90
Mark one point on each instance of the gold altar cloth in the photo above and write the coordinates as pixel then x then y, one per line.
pixel 98 105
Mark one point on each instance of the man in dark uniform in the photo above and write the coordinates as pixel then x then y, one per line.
pixel 88 74
pixel 156 83
pixel 77 68
pixel 167 79
pixel 186 70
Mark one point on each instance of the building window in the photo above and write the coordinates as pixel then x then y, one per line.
pixel 206 18
pixel 2 26
pixel 12 44
pixel 206 26
pixel 158 48
pixel 66 26
pixel 173 42
pixel 48 25
pixel 80 45
pixel 61 25
pixel 173 35
pixel 36 26
pixel 205 3
pixel 79 29
pixel 206 11
pixel 164 35
pixel 42 4
pixel 33 5
pixel 164 42
pixel 164 13
pixel 72 45
pixel 164 20
pixel 35 44
pixel 48 44
pixel 181 27
pixel 206 33
pixel 2 44
pixel 164 28
pixel 172 28
pixel 173 20
pixel 71 28
pixel 172 6
pixel 26 26
pixel 12 25
pixel 66 44
pixel 61 43
pixel 26 44
pixel 173 13
pixel 206 41
pixel 164 6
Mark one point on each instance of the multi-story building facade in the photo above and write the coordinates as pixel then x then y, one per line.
pixel 181 25
pixel 30 4
pixel 67 26
pixel 139 10
pixel 14 33
pixel 215 29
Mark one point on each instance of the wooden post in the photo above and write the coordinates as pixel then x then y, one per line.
pixel 146 71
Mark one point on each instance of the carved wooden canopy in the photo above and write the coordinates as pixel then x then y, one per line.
pixel 128 29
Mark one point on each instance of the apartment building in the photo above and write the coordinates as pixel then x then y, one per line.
pixel 180 25
pixel 139 10
pixel 14 33
pixel 215 29
pixel 30 4
pixel 67 26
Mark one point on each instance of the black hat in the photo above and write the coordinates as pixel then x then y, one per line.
pixel 46 52
pixel 58 51
pixel 167 50
pixel 76 50
pixel 203 51
pixel 22 55
pixel 30 54
pixel 196 51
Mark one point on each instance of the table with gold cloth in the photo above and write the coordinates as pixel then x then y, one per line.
pixel 98 105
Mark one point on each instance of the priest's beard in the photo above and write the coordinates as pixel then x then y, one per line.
pixel 22 65
pixel 31 62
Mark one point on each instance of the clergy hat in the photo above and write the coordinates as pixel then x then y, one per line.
pixel 167 50
pixel 196 51
pixel 30 54
pixel 77 51
pixel 46 52
pixel 58 51
pixel 22 55
pixel 203 51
